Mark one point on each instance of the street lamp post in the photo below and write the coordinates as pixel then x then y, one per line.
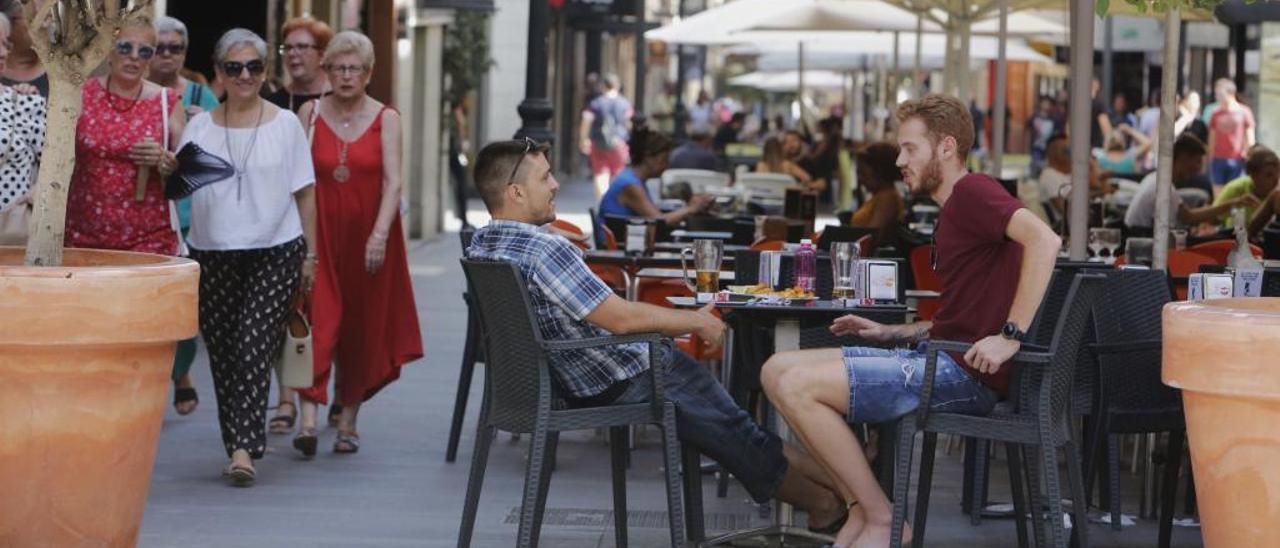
pixel 536 111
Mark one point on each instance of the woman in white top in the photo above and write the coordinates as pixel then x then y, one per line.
pixel 251 234
pixel 22 120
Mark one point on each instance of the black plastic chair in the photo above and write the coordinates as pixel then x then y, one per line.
pixel 470 355
pixel 1040 420
pixel 521 396
pixel 1131 397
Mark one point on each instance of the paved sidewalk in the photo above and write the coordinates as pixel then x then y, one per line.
pixel 399 492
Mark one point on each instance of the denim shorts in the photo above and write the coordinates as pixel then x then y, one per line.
pixel 709 420
pixel 1225 170
pixel 886 384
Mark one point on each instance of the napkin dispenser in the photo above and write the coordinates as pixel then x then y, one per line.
pixel 876 281
pixel 1209 286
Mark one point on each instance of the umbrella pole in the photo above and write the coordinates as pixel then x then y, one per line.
pixel 1081 147
pixel 804 112
pixel 918 80
pixel 1002 75
pixel 1164 164
pixel 893 86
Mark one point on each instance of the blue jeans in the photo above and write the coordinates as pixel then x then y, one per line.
pixel 709 420
pixel 886 384
pixel 1224 170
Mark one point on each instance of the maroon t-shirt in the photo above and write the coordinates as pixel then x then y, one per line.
pixel 978 265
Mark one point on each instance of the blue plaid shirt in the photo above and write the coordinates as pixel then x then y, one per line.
pixel 563 291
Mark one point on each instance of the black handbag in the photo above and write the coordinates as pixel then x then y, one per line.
pixel 196 168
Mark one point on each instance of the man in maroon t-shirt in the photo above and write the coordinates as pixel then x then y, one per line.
pixel 995 259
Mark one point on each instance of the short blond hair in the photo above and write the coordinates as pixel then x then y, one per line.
pixel 943 116
pixel 350 41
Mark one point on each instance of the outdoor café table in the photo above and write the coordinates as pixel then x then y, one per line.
pixel 632 264
pixel 786 320
pixel 729 249
pixel 681 235
pixel 726 276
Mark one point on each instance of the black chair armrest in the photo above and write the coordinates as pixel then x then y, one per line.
pixel 1143 345
pixel 1030 355
pixel 653 340
pixel 593 342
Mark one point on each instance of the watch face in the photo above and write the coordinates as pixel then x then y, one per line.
pixel 1010 330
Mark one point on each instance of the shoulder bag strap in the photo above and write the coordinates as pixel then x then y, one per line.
pixel 164 116
pixel 311 123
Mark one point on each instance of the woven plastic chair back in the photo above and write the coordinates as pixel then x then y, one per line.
pixel 516 371
pixel 1068 341
pixel 1131 310
pixel 465 236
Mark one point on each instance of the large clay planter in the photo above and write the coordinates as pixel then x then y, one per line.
pixel 86 350
pixel 1223 354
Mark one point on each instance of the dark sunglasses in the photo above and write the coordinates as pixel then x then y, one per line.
pixel 528 146
pixel 170 49
pixel 235 68
pixel 125 48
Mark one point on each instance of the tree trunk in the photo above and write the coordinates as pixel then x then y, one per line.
pixel 58 163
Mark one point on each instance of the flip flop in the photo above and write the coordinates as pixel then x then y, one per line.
pixel 347 443
pixel 241 476
pixel 306 442
pixel 184 395
pixel 282 423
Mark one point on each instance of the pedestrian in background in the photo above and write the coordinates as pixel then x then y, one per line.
pixel 166 68
pixel 23 65
pixel 363 315
pixel 1231 134
pixel 305 40
pixel 22 125
pixel 604 132
pixel 254 237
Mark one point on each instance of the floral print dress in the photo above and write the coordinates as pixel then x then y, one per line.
pixel 102 209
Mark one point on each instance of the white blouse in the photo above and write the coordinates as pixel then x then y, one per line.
pixel 254 209
pixel 22 120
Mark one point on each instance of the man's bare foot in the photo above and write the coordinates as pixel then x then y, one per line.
pixel 876 535
pixel 852 528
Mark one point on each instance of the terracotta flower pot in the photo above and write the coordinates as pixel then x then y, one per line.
pixel 1222 354
pixel 86 350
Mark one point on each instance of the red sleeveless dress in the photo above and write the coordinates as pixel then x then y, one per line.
pixel 366 323
pixel 102 212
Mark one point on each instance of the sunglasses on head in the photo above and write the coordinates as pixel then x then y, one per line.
pixel 126 49
pixel 170 49
pixel 235 68
pixel 528 146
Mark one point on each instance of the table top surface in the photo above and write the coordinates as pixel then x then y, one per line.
pixel 657 259
pixel 823 307
pixel 676 273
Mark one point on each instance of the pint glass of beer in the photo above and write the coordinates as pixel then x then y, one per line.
pixel 707 257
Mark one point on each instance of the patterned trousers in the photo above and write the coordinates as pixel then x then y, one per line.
pixel 244 299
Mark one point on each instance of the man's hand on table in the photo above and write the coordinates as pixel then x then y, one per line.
pixel 988 354
pixel 858 326
pixel 710 329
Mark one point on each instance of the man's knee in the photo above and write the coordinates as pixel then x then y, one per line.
pixel 775 369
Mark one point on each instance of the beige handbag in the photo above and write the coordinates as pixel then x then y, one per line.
pixel 295 366
pixel 15 225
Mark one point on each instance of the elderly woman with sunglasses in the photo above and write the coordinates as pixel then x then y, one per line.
pixel 253 235
pixel 124 141
pixel 363 314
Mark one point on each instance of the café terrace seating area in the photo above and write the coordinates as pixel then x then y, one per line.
pixel 1116 435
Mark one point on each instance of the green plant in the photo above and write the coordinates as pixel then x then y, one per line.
pixel 466 54
pixel 1161 6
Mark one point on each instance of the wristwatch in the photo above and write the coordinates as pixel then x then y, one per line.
pixel 1011 331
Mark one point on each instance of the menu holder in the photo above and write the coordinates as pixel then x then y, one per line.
pixel 801 204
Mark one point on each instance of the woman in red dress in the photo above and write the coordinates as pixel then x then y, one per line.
pixel 363 313
pixel 121 131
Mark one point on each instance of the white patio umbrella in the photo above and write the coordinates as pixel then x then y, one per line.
pixel 717 26
pixel 857 50
pixel 788 80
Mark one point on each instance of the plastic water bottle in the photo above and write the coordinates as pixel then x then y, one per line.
pixel 806 267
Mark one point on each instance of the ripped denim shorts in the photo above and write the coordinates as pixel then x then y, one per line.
pixel 885 384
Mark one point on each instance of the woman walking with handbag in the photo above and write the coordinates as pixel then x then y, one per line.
pixel 124 141
pixel 251 234
pixel 363 309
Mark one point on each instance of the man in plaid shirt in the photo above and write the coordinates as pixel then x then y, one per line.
pixel 570 302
